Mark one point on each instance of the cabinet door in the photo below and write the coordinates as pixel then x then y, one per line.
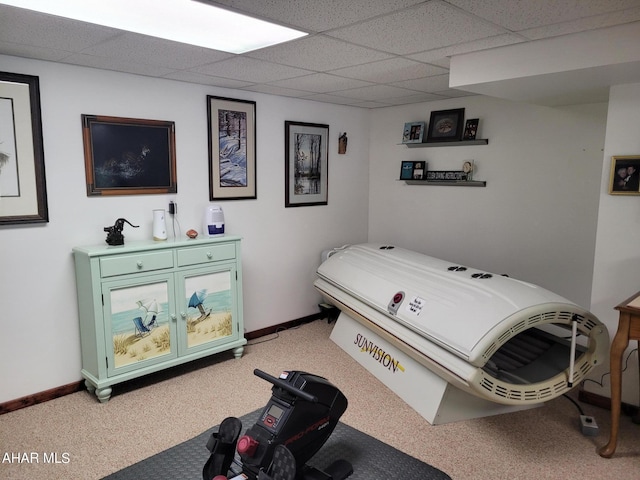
pixel 209 309
pixel 140 327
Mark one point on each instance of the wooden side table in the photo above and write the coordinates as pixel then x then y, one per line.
pixel 628 329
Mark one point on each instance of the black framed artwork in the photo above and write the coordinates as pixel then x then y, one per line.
pixel 23 192
pixel 232 148
pixel 306 164
pixel 446 125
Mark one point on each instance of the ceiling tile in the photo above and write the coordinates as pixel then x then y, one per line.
pixel 376 92
pixel 38 52
pixel 321 83
pixel 432 25
pixel 438 54
pixel 274 90
pixel 575 26
pixel 392 70
pixel 110 63
pixel 426 84
pixel 37 29
pixel 318 53
pixel 523 14
pixel 250 70
pixel 318 15
pixel 192 77
pixel 137 48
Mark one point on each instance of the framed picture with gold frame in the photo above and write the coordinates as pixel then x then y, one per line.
pixel 625 175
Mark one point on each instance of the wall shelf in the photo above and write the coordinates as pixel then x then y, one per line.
pixel 449 183
pixel 461 143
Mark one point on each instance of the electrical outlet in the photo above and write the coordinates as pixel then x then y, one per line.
pixel 588 425
pixel 173 208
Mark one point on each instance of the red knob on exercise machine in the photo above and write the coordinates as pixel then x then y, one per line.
pixel 247 445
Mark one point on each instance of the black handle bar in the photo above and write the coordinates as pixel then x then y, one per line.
pixel 285 386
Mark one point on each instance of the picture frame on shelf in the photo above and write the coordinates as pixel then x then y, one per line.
pixel 23 191
pixel 413 132
pixel 406 170
pixel 129 156
pixel 232 148
pixel 306 164
pixel 446 125
pixel 419 171
pixel 625 175
pixel 470 129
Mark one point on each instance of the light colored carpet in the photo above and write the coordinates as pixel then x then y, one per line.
pixel 93 440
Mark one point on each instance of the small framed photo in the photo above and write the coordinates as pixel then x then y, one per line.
pixel 306 164
pixel 413 132
pixel 406 170
pixel 625 175
pixel 470 129
pixel 419 170
pixel 23 192
pixel 129 156
pixel 446 125
pixel 232 148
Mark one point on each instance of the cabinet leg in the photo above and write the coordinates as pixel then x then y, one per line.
pixel 90 387
pixel 103 394
pixel 237 352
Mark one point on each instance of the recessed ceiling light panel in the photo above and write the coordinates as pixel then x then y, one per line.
pixel 185 21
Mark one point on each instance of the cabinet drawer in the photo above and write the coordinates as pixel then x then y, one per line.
pixel 209 253
pixel 137 262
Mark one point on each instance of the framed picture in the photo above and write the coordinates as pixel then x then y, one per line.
pixel 306 163
pixel 23 192
pixel 232 148
pixel 406 170
pixel 413 132
pixel 446 125
pixel 419 171
pixel 129 156
pixel 470 129
pixel 625 175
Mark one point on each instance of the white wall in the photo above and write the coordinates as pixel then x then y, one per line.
pixel 535 220
pixel 39 339
pixel 617 256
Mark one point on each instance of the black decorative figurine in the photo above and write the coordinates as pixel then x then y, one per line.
pixel 114 233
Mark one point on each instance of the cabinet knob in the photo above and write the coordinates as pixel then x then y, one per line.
pixel 139 263
pixel 173 317
pixel 183 315
pixel 209 255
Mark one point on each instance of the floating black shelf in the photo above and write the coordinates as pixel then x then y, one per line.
pixel 460 143
pixel 449 183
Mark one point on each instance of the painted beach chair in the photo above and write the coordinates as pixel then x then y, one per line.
pixel 141 329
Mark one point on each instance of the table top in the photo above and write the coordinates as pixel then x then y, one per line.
pixel 631 304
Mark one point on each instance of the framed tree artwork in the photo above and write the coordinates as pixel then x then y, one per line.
pixel 306 164
pixel 232 148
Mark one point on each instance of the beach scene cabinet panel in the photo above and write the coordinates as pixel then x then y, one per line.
pixel 147 306
pixel 140 322
pixel 208 307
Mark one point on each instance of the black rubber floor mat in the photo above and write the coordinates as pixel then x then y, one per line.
pixel 371 458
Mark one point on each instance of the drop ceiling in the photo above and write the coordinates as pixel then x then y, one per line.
pixel 365 53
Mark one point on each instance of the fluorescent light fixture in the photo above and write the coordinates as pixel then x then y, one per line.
pixel 185 21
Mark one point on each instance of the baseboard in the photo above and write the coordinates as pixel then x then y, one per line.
pixel 40 397
pixel 47 395
pixel 605 402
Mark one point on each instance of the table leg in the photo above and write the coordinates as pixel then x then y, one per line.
pixel 619 344
pixel 636 417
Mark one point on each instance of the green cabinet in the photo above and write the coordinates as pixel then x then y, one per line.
pixel 147 306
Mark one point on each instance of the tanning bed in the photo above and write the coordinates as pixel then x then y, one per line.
pixel 452 341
